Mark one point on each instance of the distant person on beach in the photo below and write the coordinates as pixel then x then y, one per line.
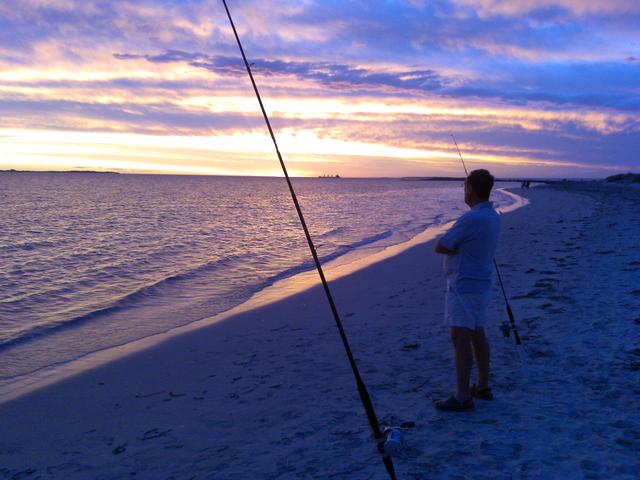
pixel 469 247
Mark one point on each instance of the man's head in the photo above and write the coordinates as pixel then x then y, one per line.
pixel 477 187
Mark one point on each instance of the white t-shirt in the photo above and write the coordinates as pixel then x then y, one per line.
pixel 474 238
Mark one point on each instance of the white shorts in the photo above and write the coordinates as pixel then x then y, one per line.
pixel 466 309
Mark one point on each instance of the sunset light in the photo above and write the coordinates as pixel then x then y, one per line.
pixel 162 89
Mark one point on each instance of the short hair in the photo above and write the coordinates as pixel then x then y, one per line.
pixel 481 181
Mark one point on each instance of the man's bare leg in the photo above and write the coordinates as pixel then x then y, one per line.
pixel 461 338
pixel 483 356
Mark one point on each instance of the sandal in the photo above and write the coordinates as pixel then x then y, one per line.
pixel 452 404
pixel 482 393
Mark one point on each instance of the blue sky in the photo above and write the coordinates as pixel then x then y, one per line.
pixel 535 88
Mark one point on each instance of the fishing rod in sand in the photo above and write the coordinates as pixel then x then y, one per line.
pixel 388 439
pixel 512 322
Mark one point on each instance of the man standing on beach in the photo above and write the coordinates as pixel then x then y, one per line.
pixel 469 247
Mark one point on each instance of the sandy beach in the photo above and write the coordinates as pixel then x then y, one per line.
pixel 268 393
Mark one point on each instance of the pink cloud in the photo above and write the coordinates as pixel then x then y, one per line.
pixel 489 8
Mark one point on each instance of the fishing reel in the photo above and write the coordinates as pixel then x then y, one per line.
pixel 390 442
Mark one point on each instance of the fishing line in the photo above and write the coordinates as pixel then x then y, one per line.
pixel 380 436
pixel 512 321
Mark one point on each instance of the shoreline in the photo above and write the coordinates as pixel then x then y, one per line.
pixel 16 387
pixel 339 177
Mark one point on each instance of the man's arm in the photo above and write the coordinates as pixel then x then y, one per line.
pixel 459 233
pixel 442 249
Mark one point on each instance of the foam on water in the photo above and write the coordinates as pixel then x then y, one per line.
pixel 91 261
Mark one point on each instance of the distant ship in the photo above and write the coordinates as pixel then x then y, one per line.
pixel 329 176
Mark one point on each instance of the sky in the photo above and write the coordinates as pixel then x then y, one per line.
pixel 529 88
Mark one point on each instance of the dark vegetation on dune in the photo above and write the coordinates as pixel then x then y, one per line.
pixel 624 177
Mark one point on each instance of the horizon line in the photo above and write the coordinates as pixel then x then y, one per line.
pixel 341 177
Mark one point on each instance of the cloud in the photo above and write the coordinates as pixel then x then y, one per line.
pixel 521 84
pixel 618 101
pixel 465 30
pixel 330 74
pixel 526 7
pixel 93 24
pixel 133 117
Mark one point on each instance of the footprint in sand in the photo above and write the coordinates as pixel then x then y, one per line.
pixel 201 396
pixel 22 473
pixel 120 449
pixel 154 433
pixel 535 293
pixel 147 395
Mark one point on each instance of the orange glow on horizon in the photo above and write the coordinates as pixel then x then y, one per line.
pixel 305 152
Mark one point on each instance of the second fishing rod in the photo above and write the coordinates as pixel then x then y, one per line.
pixel 512 322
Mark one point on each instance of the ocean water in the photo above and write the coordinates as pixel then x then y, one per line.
pixel 90 261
